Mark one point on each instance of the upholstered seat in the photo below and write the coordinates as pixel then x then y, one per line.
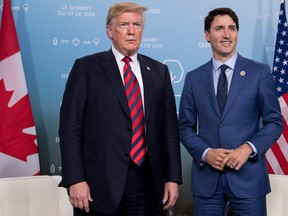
pixel 33 196
pixel 277 199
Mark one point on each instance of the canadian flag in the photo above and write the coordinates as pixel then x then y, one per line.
pixel 18 141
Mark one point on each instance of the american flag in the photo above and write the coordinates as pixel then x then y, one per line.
pixel 277 156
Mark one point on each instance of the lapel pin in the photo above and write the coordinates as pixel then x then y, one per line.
pixel 242 73
pixel 148 68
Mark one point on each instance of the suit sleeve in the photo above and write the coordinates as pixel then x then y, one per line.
pixel 188 121
pixel 171 133
pixel 71 123
pixel 272 125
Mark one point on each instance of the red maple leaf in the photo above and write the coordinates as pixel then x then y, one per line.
pixel 13 120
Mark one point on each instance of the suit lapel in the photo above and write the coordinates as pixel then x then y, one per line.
pixel 146 71
pixel 112 71
pixel 207 80
pixel 236 83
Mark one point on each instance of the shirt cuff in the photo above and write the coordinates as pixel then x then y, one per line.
pixel 254 153
pixel 204 155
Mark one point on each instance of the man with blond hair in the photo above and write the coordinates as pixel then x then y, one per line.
pixel 118 127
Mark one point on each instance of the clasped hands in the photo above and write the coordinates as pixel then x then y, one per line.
pixel 221 158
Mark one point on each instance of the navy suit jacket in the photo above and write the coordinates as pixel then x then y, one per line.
pixel 251 102
pixel 95 128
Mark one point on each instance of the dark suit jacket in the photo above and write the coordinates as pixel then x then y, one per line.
pixel 95 128
pixel 252 100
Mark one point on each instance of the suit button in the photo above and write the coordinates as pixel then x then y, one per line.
pixel 221 125
pixel 202 164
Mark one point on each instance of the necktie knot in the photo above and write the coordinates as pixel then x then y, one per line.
pixel 223 67
pixel 126 59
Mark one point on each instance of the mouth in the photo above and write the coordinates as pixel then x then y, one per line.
pixel 130 41
pixel 226 43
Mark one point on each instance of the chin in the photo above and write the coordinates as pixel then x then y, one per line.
pixel 131 52
pixel 134 50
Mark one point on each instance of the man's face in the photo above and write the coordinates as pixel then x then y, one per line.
pixel 126 31
pixel 223 36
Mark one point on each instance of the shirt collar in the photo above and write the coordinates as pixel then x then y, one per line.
pixel 230 62
pixel 119 56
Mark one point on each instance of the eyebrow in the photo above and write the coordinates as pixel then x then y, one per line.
pixel 222 26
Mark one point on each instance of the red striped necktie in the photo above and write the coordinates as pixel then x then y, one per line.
pixel 133 94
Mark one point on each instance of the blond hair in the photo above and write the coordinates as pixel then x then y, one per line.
pixel 123 7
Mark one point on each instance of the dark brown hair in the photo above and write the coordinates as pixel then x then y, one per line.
pixel 220 11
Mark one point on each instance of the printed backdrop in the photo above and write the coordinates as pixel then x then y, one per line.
pixel 52 34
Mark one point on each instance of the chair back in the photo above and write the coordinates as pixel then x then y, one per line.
pixel 277 199
pixel 33 196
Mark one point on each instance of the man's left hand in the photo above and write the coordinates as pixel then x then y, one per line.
pixel 170 194
pixel 236 158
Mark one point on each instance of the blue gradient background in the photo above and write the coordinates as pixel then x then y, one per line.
pixel 173 35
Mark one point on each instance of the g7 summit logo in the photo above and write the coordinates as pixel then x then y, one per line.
pixel 176 70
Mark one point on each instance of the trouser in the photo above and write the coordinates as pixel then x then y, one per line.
pixel 217 204
pixel 139 197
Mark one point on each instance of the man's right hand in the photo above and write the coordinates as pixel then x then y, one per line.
pixel 80 196
pixel 215 157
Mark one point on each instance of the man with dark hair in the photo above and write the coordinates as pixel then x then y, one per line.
pixel 118 131
pixel 222 106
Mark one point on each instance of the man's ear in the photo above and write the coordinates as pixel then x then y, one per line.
pixel 207 36
pixel 109 32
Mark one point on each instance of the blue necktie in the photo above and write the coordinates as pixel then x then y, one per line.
pixel 222 88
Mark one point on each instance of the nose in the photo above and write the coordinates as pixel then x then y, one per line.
pixel 226 33
pixel 131 29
